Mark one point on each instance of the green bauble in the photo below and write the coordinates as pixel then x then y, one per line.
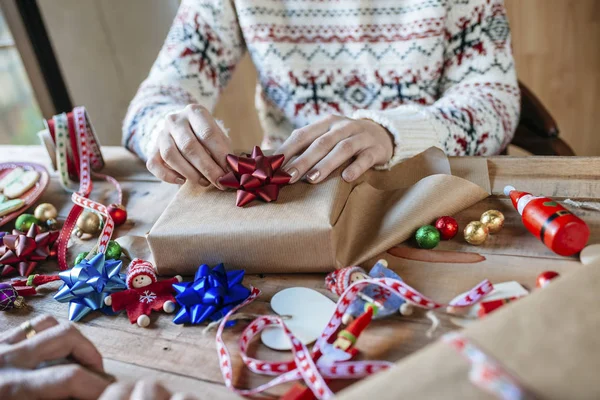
pixel 113 250
pixel 427 237
pixel 80 257
pixel 24 222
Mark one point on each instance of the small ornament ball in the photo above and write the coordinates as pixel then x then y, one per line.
pixel 89 222
pixel 544 278
pixel 113 250
pixel 24 222
pixel 476 233
pixel 80 257
pixel 118 213
pixel 427 237
pixel 447 226
pixel 493 219
pixel 45 212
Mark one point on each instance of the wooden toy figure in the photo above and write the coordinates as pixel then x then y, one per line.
pixel 385 302
pixel 144 295
pixel 560 230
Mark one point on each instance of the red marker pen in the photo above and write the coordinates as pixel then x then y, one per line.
pixel 560 230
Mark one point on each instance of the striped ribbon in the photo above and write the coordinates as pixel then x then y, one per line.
pixel 75 152
pixel 486 373
pixel 305 364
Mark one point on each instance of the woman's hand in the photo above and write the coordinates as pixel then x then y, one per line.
pixel 190 147
pixel 327 144
pixel 146 390
pixel 19 357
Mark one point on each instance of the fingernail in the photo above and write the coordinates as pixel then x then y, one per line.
pixel 347 176
pixel 313 175
pixel 293 173
pixel 180 181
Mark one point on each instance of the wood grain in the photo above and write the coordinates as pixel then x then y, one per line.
pixel 556 49
pixel 185 358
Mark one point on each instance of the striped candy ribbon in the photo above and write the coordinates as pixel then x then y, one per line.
pixel 486 373
pixel 75 152
pixel 304 364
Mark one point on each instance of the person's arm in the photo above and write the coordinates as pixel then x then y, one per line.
pixel 476 114
pixel 195 63
pixel 478 109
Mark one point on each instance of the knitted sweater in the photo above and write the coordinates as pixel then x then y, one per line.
pixel 433 72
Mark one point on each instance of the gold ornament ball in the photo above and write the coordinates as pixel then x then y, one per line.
pixel 45 211
pixel 89 222
pixel 493 219
pixel 476 233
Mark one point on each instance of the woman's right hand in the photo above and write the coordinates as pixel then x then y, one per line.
pixel 190 147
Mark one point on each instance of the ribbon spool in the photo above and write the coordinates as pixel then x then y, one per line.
pixel 75 153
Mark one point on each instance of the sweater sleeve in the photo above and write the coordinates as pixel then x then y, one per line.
pixel 478 106
pixel 195 63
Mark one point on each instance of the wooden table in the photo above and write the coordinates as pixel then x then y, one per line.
pixel 185 359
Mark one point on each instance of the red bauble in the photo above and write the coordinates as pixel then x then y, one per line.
pixel 544 278
pixel 447 226
pixel 118 213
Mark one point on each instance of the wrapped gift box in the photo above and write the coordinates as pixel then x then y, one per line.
pixel 548 341
pixel 312 228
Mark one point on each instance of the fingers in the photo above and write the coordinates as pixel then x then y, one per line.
pixel 60 382
pixel 175 160
pixel 55 343
pixel 142 390
pixel 364 161
pixel 342 152
pixel 210 134
pixel 319 148
pixel 162 171
pixel 199 163
pixel 39 324
pixel 118 391
pixel 149 390
pixel 301 138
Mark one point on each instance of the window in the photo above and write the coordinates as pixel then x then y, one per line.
pixel 20 116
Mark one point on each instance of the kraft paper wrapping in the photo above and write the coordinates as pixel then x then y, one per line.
pixel 548 340
pixel 312 228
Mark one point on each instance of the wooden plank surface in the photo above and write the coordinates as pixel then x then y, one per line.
pixel 185 357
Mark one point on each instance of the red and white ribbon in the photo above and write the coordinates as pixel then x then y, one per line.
pixel 304 363
pixel 77 156
pixel 486 373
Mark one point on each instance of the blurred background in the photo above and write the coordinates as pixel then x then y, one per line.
pixel 59 53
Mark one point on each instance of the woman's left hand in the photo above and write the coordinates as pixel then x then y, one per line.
pixel 325 145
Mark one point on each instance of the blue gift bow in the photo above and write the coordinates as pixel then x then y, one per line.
pixel 212 294
pixel 88 283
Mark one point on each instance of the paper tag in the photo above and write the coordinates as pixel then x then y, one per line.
pixel 310 311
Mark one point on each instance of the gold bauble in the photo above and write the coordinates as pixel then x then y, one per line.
pixel 476 233
pixel 45 211
pixel 89 222
pixel 493 219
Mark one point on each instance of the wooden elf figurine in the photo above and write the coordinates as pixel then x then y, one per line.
pixel 386 303
pixel 144 295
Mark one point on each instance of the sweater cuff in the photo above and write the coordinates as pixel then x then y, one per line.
pixel 411 126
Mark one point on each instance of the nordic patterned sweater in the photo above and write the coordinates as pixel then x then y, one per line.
pixel 433 72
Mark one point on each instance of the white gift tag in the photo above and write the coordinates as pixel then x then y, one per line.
pixel 309 312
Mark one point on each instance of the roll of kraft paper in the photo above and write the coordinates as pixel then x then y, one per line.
pixel 560 230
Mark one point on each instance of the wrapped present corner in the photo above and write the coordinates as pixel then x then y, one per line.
pixel 548 343
pixel 311 228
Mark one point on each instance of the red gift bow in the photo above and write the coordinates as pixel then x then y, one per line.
pixel 256 176
pixel 23 251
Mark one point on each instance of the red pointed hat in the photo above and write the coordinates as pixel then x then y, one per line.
pixel 139 267
pixel 338 281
